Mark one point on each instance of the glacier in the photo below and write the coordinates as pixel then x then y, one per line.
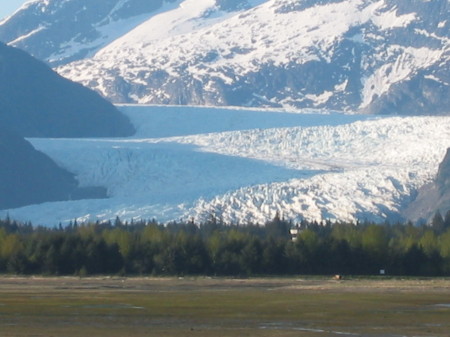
pixel 246 165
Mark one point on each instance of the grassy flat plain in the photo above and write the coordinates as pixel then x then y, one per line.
pixel 123 307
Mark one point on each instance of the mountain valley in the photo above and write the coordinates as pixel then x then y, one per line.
pixel 237 109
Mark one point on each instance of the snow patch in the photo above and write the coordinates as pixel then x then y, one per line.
pixel 23 37
pixel 390 20
pixel 406 61
pixel 320 99
pixel 436 79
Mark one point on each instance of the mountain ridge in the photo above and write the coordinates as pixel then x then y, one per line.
pixel 350 55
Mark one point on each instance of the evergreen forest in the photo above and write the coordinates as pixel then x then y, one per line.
pixel 217 249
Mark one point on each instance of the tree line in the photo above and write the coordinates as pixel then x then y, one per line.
pixel 214 248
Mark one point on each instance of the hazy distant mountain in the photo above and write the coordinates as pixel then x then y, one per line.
pixel 377 56
pixel 37 102
pixel 434 196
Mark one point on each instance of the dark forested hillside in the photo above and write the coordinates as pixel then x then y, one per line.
pixel 37 102
pixel 28 176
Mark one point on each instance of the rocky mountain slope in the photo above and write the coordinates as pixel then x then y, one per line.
pixel 432 197
pixel 37 102
pixel 376 56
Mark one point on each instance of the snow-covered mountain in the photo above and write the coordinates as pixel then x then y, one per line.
pixel 243 165
pixel 60 31
pixel 379 56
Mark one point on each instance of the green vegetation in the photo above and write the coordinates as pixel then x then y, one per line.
pixel 148 248
pixel 118 307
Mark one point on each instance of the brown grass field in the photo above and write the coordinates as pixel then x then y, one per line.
pixel 275 307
